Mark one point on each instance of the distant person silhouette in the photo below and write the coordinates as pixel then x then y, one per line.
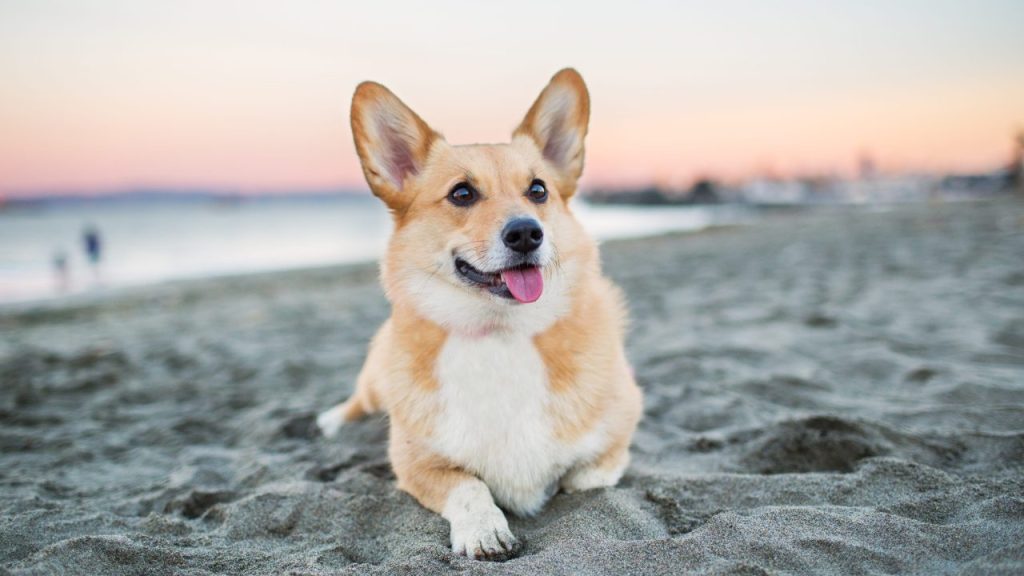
pixel 93 245
pixel 60 271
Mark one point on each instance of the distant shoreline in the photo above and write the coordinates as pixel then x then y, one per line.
pixel 743 215
pixel 145 242
pixel 182 287
pixel 146 289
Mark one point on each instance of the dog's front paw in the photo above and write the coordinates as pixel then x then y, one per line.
pixel 485 537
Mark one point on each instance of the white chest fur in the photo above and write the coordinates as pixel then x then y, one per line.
pixel 496 422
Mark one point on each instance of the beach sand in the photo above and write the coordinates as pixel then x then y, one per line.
pixel 831 391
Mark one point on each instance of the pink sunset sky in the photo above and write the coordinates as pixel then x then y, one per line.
pixel 253 96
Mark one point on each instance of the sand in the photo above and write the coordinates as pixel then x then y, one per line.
pixel 830 391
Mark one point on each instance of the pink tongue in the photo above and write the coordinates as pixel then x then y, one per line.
pixel 525 284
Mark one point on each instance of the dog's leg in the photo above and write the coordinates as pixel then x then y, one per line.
pixel 603 472
pixel 478 527
pixel 607 468
pixel 360 404
pixel 330 421
pixel 364 400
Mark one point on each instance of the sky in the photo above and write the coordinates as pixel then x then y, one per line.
pixel 253 96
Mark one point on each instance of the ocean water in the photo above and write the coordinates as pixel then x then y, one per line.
pixel 146 242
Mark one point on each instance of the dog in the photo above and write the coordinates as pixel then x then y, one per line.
pixel 501 367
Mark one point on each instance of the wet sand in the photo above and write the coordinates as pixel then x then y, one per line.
pixel 832 391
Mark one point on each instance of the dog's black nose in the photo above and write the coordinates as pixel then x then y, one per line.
pixel 523 235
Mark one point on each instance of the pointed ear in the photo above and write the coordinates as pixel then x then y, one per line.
pixel 392 141
pixel 557 122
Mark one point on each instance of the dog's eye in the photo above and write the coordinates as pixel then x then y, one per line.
pixel 537 192
pixel 462 194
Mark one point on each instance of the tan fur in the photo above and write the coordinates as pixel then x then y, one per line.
pixel 425 475
pixel 581 359
pixel 589 379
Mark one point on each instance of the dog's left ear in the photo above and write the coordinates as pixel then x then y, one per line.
pixel 557 123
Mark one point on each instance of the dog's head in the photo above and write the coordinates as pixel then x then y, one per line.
pixel 483 232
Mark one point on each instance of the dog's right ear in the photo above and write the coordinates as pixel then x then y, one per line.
pixel 557 124
pixel 392 141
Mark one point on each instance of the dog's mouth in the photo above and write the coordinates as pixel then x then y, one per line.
pixel 523 283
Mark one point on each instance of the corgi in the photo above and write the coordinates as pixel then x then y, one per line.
pixel 502 367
